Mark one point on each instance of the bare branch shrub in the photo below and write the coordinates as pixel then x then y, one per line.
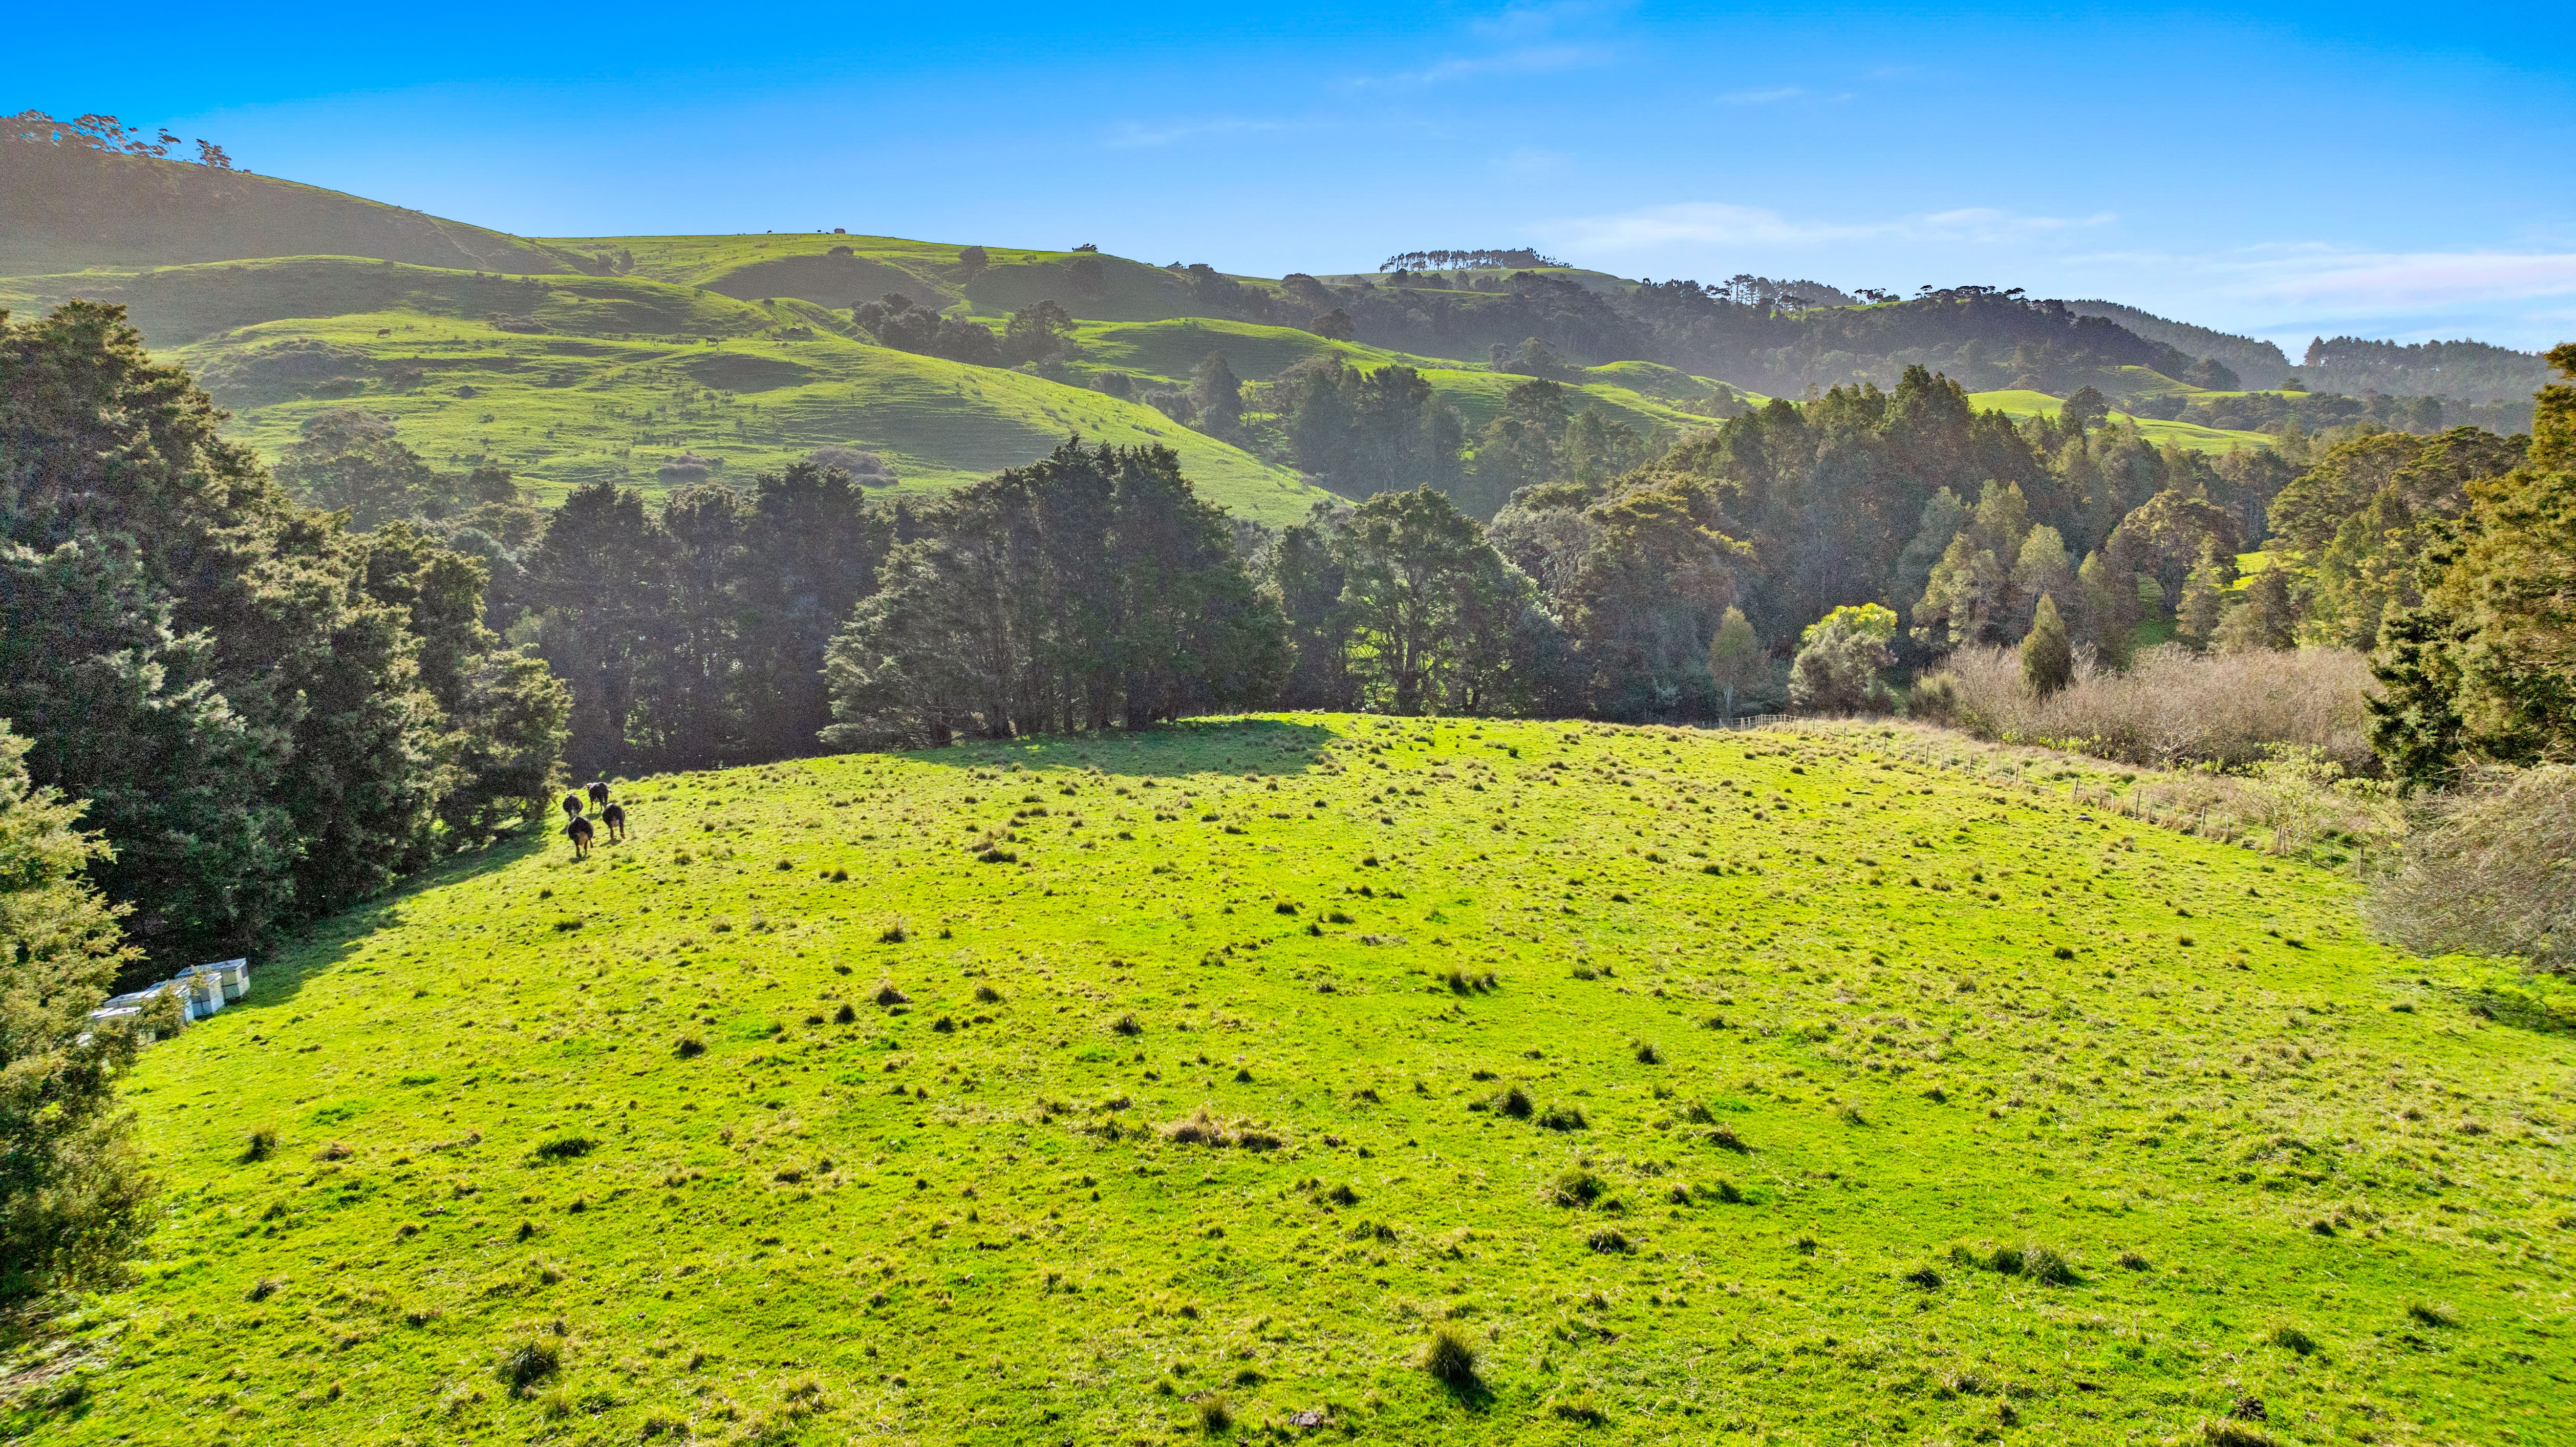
pixel 2489 869
pixel 2171 708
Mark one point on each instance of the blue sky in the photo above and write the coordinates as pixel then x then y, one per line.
pixel 2381 170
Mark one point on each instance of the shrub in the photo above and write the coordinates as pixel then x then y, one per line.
pixel 523 1366
pixel 2173 707
pixel 1450 1357
pixel 2489 869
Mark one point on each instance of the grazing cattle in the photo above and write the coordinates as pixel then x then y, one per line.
pixel 578 831
pixel 598 794
pixel 572 806
pixel 614 816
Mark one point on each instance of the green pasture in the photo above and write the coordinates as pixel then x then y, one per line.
pixel 1708 1087
pixel 2022 402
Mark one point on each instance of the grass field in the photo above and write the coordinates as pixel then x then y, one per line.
pixel 2190 435
pixel 1707 1087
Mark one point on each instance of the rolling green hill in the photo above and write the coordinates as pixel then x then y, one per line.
pixel 568 379
pixel 1706 1087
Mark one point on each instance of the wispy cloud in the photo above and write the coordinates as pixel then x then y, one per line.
pixel 1521 60
pixel 1134 134
pixel 2292 281
pixel 1724 224
pixel 1763 97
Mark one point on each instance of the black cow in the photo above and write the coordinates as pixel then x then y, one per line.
pixel 572 806
pixel 598 794
pixel 614 816
pixel 578 831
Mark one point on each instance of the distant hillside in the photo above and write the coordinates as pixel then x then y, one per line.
pixel 69 208
pixel 2257 363
pixel 2466 370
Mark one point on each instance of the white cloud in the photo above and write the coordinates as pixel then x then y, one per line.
pixel 2292 290
pixel 1129 134
pixel 1723 224
pixel 1523 60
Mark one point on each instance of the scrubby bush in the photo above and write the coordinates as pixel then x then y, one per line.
pixel 2489 869
pixel 2172 707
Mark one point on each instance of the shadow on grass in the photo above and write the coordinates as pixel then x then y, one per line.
pixel 278 975
pixel 1275 747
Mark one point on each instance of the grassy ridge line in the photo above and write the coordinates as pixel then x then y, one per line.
pixel 1892 1012
pixel 2022 402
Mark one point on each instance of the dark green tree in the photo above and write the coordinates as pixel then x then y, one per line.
pixel 73 1188
pixel 2047 656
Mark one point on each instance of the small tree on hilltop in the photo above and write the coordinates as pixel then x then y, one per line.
pixel 2047 658
pixel 72 1185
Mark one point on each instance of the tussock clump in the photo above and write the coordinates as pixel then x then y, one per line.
pixel 1562 1117
pixel 689 1047
pixel 846 1015
pixel 1197 1129
pixel 1578 1411
pixel 1647 1054
pixel 259 1145
pixel 2424 1313
pixel 894 934
pixel 1514 1102
pixel 1577 1187
pixel 988 995
pixel 1449 1357
pixel 1609 1242
pixel 565 1148
pixel 1216 1414
pixel 2233 1434
pixel 264 1288
pixel 886 993
pixel 335 1151
pixel 525 1365
pixel 2291 1339
pixel 1724 1138
pixel 1126 1025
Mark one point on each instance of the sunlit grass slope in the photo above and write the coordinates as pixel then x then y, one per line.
pixel 1714 1087
pixel 2026 403
pixel 1640 394
pixel 569 379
